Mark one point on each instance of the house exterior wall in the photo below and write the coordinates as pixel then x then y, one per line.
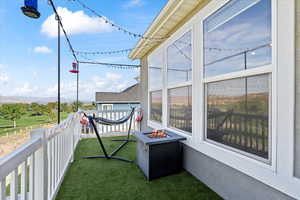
pixel 297 132
pixel 215 173
pixel 144 92
pixel 212 172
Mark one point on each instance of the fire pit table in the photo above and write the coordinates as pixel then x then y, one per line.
pixel 159 154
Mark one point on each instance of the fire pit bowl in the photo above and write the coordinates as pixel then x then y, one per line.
pixel 157 134
pixel 159 155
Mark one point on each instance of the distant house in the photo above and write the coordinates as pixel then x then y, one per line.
pixel 119 100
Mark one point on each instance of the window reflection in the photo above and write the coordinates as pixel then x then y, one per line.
pixel 238 114
pixel 179 60
pixel 180 108
pixel 156 106
pixel 238 37
pixel 155 63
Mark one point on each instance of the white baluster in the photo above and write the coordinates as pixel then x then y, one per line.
pixel 3 189
pixel 56 160
pixel 41 167
pixel 14 185
pixel 53 164
pixel 112 118
pixel 24 181
pixel 31 177
pixel 59 156
pixel 50 166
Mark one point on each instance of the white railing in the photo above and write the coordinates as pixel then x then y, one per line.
pixel 35 170
pixel 104 130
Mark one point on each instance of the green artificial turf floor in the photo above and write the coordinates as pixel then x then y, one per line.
pixel 100 179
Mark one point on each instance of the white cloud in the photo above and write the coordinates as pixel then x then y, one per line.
pixel 111 82
pixel 26 90
pixel 3 78
pixel 42 49
pixel 75 23
pixel 113 76
pixel 133 3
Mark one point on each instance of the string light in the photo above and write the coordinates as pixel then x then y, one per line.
pixel 103 52
pixel 110 65
pixel 111 52
pixel 119 28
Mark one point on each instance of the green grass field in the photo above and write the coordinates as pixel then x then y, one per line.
pixel 27 121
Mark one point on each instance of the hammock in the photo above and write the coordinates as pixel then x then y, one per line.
pixel 109 122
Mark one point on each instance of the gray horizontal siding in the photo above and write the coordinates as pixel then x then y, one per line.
pixel 226 181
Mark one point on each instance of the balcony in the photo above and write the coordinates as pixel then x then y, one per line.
pixel 50 166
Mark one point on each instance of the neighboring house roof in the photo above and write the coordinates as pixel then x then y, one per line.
pixel 129 95
pixel 167 22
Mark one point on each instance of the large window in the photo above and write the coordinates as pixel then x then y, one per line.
pixel 179 71
pixel 180 108
pixel 238 46
pixel 156 106
pixel 179 58
pixel 155 66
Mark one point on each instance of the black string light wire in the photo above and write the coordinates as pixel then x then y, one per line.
pixel 113 51
pixel 117 27
pixel 103 52
pixel 64 31
pixel 110 65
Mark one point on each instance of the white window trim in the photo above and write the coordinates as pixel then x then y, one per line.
pixel 157 52
pixel 280 174
pixel 239 74
pixel 167 87
pixel 153 123
pixel 250 155
pixel 102 106
pixel 266 69
pixel 149 107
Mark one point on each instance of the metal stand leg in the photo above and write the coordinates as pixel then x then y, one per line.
pixel 128 134
pixel 92 157
pixel 111 156
pixel 121 159
pixel 124 140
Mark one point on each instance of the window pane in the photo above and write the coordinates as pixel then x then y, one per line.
pixel 180 108
pixel 238 114
pixel 179 59
pixel 156 106
pixel 155 63
pixel 237 37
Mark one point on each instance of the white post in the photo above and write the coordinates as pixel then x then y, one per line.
pixel 41 166
pixel 73 133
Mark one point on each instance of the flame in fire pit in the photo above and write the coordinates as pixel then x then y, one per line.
pixel 157 134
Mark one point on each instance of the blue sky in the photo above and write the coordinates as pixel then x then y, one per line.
pixel 28 59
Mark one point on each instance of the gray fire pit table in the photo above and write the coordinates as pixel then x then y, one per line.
pixel 158 157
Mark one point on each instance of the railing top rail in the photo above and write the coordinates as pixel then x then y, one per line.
pixel 59 128
pixel 94 111
pixel 9 162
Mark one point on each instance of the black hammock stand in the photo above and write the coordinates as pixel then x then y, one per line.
pixel 109 122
